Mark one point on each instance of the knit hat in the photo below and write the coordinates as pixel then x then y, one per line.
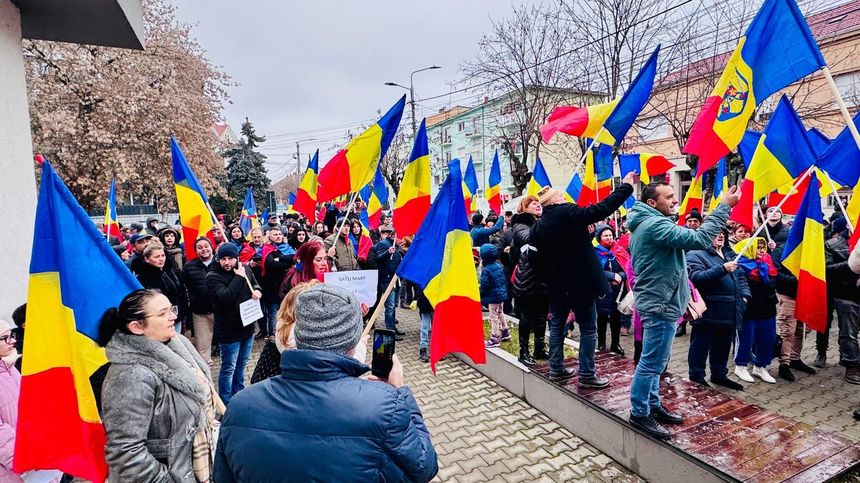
pixel 600 229
pixel 228 250
pixel 694 214
pixel 328 318
pixel 6 325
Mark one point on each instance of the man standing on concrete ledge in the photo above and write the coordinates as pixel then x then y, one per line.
pixel 566 261
pixel 662 292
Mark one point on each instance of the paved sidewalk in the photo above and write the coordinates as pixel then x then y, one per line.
pixel 482 432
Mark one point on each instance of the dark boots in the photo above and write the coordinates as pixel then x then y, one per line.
pixel 540 349
pixel 526 358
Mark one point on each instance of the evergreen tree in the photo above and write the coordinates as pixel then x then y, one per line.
pixel 246 167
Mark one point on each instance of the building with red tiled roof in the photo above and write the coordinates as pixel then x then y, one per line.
pixel 224 133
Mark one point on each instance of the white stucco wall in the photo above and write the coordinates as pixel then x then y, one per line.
pixel 17 182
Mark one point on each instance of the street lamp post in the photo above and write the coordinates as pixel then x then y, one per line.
pixel 411 90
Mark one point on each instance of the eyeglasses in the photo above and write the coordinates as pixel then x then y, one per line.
pixel 6 338
pixel 164 313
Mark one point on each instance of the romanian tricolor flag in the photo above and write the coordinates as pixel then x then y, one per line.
pixel 608 122
pixel 795 197
pixel 74 278
pixel 539 179
pixel 413 201
pixel 721 184
pixel 248 219
pixel 693 200
pixel 841 158
pixel 194 211
pixel 645 165
pixel 440 262
pixel 604 161
pixel 111 226
pixel 470 187
pixel 596 182
pixel 776 50
pixel 633 100
pixel 803 256
pixel 783 153
pixel 584 122
pixel 306 198
pixel 354 166
pixel 377 196
pixel 494 191
pixel 574 189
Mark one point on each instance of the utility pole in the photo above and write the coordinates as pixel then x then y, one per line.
pixel 411 90
pixel 298 160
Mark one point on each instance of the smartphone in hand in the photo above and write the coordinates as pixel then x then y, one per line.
pixel 383 353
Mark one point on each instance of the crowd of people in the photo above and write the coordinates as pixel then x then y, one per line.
pixel 550 264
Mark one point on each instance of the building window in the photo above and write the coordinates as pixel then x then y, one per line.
pixel 849 87
pixel 448 157
pixel 653 128
pixel 461 126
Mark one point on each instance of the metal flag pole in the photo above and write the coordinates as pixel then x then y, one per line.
pixel 763 222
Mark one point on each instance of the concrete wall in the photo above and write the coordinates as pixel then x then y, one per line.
pixel 17 182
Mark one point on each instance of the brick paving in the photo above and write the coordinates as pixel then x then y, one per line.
pixel 483 432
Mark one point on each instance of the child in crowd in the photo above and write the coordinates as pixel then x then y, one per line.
pixel 494 292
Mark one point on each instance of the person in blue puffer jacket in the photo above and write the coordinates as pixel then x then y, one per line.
pixel 494 293
pixel 318 420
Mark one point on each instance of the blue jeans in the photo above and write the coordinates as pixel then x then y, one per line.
pixel 272 314
pixel 760 334
pixel 231 378
pixel 390 305
pixel 657 337
pixel 586 317
pixel 426 323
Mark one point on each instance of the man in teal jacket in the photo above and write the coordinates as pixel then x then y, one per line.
pixel 657 247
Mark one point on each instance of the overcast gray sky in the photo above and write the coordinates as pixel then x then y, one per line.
pixel 303 66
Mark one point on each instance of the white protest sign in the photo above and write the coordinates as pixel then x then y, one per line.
pixel 250 311
pixel 360 282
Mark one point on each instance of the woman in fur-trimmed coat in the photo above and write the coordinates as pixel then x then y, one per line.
pixel 159 407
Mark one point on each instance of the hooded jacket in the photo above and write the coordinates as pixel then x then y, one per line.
pixel 657 248
pixel 566 255
pixel 323 423
pixel 385 262
pixel 494 287
pixel 151 408
pixel 227 290
pixel 527 281
pixel 612 266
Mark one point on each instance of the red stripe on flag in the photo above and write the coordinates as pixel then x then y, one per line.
pixel 304 204
pixel 408 218
pixel 78 446
pixel 333 179
pixel 496 203
pixel 703 141
pixel 190 234
pixel 811 305
pixel 451 334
